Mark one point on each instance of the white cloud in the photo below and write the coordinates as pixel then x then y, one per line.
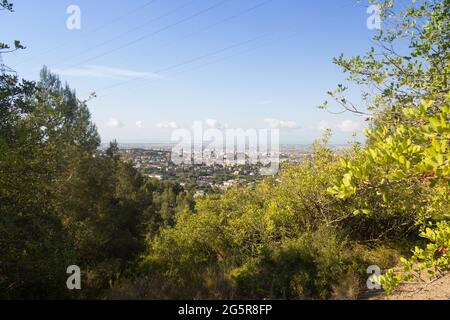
pixel 139 124
pixel 280 124
pixel 324 125
pixel 115 123
pixel 213 124
pixel 103 72
pixel 167 125
pixel 349 126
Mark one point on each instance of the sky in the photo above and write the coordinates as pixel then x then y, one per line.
pixel 159 65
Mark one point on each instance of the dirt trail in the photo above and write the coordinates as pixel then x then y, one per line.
pixel 437 290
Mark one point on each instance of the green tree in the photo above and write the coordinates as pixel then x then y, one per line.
pixel 35 248
pixel 406 160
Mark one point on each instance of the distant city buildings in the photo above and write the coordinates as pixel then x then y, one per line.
pixel 154 161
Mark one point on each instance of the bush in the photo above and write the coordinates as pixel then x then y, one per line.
pixel 311 266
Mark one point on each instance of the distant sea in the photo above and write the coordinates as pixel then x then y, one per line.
pixel 167 146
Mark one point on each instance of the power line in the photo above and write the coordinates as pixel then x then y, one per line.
pixel 186 62
pixel 95 30
pixel 126 33
pixel 148 3
pixel 202 57
pixel 208 27
pixel 229 18
pixel 239 53
pixel 250 9
pixel 4 69
pixel 156 32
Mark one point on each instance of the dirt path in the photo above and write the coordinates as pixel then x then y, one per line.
pixel 437 290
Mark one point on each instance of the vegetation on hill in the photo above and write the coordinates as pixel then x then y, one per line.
pixel 308 233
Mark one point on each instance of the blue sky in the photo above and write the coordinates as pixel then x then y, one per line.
pixel 156 65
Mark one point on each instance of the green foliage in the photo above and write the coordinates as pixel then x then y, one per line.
pixel 409 60
pixel 308 233
pixel 35 252
pixel 414 156
pixel 303 268
pixel 411 153
pixel 280 239
pixel 61 203
pixel 167 198
pixel 406 160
